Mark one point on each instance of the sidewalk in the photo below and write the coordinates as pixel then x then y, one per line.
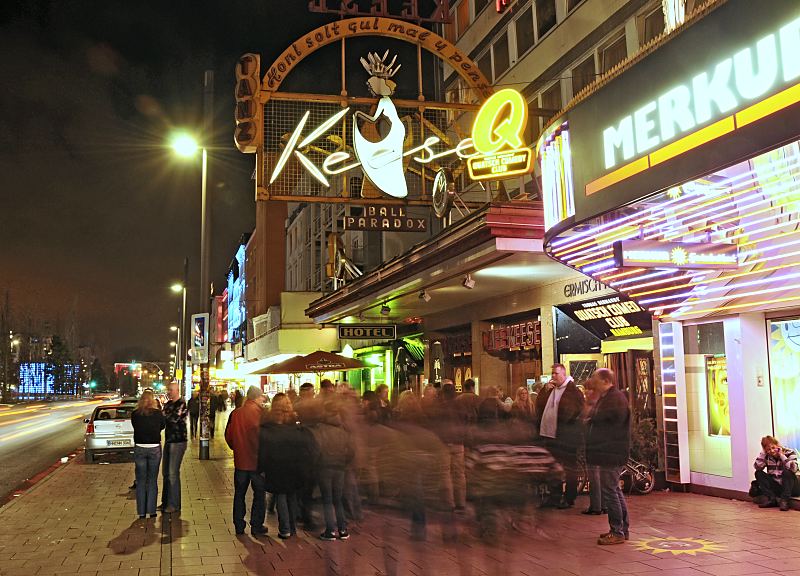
pixel 82 520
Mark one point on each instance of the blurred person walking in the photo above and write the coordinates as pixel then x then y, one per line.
pixel 335 455
pixel 607 446
pixel 175 413
pixel 242 435
pixel 286 456
pixel 194 413
pixel 558 413
pixel 148 422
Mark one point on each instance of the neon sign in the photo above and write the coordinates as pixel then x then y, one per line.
pixel 496 148
pixel 745 76
pixel 682 255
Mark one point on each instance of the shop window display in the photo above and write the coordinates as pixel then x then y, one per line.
pixel 784 366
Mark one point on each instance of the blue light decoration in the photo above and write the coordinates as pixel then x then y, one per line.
pixel 237 311
pixel 35 381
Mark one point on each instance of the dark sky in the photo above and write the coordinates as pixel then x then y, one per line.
pixel 96 216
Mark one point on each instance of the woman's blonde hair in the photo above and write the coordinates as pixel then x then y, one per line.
pixel 520 390
pixel 147 402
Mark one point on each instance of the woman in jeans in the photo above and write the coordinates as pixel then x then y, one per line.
pixel 148 422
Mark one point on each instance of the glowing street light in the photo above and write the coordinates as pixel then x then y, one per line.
pixel 184 145
pixel 173 328
pixel 173 343
pixel 177 288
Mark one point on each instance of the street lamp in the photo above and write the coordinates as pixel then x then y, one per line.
pixel 180 351
pixel 184 146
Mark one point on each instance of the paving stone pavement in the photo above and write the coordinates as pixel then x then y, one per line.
pixel 82 520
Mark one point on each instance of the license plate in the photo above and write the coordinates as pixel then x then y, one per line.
pixel 117 443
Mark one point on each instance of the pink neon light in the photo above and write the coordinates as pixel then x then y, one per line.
pixel 728 287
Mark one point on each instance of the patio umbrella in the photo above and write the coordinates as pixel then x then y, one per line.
pixel 319 361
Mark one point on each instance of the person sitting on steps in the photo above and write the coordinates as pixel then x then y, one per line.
pixel 776 474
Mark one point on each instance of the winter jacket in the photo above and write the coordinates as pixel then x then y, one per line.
pixel 286 456
pixel 608 435
pixel 570 428
pixel 334 444
pixel 241 434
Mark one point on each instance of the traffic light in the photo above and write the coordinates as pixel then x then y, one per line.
pixel 92 384
pixel 249 111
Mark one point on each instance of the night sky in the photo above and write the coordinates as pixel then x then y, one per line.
pixel 97 215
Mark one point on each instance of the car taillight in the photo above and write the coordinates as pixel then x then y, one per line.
pixel 90 428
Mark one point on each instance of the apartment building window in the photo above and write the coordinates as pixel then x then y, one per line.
pixel 485 64
pixel 480 5
pixel 551 98
pixel 523 26
pixel 613 53
pixel 652 25
pixel 501 58
pixel 583 74
pixel 462 18
pixel 545 16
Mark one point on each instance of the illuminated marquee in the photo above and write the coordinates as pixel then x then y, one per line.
pixel 684 255
pixel 494 150
pixel 710 95
pixel 610 316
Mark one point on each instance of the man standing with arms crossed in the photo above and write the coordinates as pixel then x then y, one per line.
pixel 608 441
pixel 175 413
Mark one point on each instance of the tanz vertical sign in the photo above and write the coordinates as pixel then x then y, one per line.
pixel 200 338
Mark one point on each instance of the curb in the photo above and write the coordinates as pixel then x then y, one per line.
pixel 31 484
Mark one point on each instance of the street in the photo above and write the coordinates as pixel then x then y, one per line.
pixel 34 436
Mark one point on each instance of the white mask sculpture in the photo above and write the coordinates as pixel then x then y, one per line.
pixel 382 161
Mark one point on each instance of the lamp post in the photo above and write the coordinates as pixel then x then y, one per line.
pixel 186 146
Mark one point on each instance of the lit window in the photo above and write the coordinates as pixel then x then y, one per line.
pixel 462 17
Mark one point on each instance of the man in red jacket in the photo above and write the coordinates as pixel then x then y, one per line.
pixel 241 434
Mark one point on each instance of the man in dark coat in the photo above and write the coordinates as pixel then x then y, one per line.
pixel 607 444
pixel 558 414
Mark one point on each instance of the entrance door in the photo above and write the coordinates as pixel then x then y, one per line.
pixel 784 370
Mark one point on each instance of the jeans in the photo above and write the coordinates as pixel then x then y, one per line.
pixel 193 419
pixel 455 481
pixel 352 496
pixel 331 484
pixel 241 480
pixel 171 473
pixel 595 492
pixel 772 489
pixel 567 457
pixel 146 462
pixel 614 500
pixel 286 505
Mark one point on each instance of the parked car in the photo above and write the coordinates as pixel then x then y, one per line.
pixel 109 430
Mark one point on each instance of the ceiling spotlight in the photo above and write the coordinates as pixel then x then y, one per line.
pixel 385 310
pixel 425 296
pixel 468 282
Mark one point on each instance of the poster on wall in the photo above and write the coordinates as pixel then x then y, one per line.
pixel 719 416
pixel 784 367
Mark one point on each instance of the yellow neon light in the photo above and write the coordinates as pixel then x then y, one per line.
pixel 500 123
pixel 618 175
pixel 769 106
pixel 734 306
pixel 693 140
pixel 498 164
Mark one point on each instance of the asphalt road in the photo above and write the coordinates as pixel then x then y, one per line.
pixel 35 436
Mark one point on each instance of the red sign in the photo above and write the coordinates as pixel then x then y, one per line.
pixel 514 337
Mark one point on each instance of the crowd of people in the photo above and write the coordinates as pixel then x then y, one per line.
pixel 428 454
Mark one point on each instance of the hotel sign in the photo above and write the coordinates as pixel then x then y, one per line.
pixel 386 219
pixel 678 255
pixel 367 332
